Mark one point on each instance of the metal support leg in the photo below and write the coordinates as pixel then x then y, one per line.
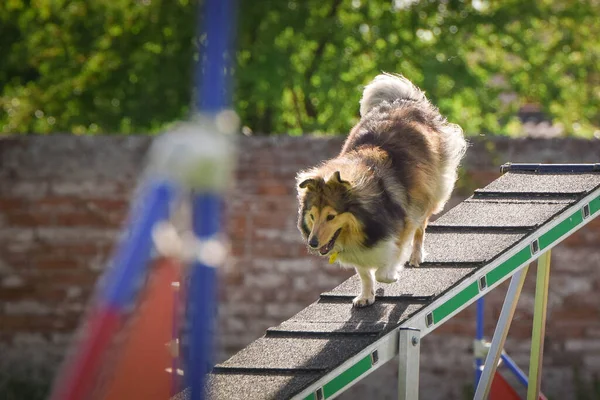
pixel 539 326
pixel 504 321
pixel 409 352
pixel 479 342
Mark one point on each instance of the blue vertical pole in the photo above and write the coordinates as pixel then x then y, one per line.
pixel 479 337
pixel 216 56
pixel 202 295
pixel 212 95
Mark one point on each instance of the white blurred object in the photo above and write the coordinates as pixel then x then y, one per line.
pixel 186 247
pixel 199 154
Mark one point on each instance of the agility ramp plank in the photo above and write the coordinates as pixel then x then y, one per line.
pixel 327 347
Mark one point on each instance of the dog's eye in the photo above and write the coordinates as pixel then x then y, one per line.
pixel 312 217
pixel 330 217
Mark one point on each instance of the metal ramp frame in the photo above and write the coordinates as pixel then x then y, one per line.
pixel 329 346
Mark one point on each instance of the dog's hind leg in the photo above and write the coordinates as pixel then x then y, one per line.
pixel 389 273
pixel 418 250
pixel 367 294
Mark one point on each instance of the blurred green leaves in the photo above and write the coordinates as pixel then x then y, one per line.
pixel 124 66
pixel 301 56
pixel 116 66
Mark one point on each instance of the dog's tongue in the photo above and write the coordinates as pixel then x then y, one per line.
pixel 325 249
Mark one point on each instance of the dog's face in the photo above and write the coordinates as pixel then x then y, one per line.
pixel 324 218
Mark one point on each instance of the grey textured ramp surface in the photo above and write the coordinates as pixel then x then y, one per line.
pixel 255 387
pixel 458 247
pixel 482 214
pixel 321 337
pixel 380 312
pixel 303 328
pixel 309 354
pixel 520 198
pixel 514 182
pixel 413 282
pixel 183 395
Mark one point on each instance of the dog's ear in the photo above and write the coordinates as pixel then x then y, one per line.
pixel 310 183
pixel 336 179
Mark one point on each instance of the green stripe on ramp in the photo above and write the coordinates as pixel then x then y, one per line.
pixel 346 377
pixel 508 266
pixel 460 299
pixel 559 230
pixel 594 205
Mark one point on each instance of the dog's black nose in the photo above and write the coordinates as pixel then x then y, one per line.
pixel 314 242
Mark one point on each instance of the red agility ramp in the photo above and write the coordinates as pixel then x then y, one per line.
pixel 144 368
pixel 501 390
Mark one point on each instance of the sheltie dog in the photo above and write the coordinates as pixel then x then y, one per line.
pixel 369 206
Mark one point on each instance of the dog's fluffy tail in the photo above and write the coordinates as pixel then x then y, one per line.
pixel 388 88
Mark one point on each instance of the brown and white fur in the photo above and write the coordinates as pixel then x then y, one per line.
pixel 372 202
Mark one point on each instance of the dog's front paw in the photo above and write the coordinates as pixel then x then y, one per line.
pixel 363 301
pixel 386 276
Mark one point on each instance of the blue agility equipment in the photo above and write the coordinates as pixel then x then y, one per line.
pixel 192 165
pixel 212 97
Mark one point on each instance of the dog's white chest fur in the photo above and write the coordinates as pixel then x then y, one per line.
pixel 383 254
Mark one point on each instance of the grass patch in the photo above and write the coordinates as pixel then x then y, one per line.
pixel 14 387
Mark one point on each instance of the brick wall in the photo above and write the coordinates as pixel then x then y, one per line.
pixel 63 200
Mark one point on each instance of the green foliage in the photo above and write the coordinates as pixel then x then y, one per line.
pixel 302 64
pixel 586 389
pixel 18 386
pixel 88 66
pixel 117 66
